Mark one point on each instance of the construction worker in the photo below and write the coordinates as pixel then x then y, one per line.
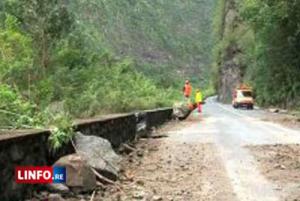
pixel 198 100
pixel 187 89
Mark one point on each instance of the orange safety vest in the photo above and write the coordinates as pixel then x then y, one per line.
pixel 187 90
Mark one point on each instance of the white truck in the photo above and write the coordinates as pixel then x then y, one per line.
pixel 243 97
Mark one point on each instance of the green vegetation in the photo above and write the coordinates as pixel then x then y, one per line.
pixel 82 58
pixel 167 39
pixel 277 31
pixel 14 109
pixel 267 35
pixel 63 131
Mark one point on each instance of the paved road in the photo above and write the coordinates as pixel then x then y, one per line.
pixel 231 130
pixel 209 157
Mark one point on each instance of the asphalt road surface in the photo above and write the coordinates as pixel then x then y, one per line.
pixel 210 157
pixel 232 130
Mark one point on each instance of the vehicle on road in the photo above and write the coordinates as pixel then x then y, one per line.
pixel 243 97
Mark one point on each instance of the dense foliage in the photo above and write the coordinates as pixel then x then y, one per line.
pixel 87 57
pixel 276 25
pixel 268 35
pixel 167 39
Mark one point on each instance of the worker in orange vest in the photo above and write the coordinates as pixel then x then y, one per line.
pixel 187 89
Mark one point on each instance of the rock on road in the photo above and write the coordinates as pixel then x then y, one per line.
pixel 207 157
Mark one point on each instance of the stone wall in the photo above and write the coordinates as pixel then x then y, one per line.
pixel 116 129
pixel 31 148
pixel 26 148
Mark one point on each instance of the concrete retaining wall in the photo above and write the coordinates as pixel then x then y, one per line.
pixel 116 129
pixel 158 117
pixel 31 148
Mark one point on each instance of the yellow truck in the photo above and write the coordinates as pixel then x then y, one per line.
pixel 242 97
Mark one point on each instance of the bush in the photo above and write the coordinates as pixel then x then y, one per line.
pixel 61 130
pixel 15 112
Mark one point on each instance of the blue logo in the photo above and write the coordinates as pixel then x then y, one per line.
pixel 59 175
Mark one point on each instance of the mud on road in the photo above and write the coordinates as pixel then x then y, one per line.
pixel 168 168
pixel 281 165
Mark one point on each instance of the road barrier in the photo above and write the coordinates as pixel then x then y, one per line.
pixel 31 147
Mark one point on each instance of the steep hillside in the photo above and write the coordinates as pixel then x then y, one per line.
pixel 169 40
pixel 83 58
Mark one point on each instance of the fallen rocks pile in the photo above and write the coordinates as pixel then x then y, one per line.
pixel 94 164
pixel 181 111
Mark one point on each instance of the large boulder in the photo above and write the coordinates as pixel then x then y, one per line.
pixel 181 111
pixel 99 154
pixel 80 177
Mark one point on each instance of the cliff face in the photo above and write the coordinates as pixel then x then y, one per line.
pixel 257 43
pixel 229 65
pixel 230 74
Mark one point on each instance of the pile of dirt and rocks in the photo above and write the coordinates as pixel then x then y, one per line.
pixel 279 160
pixel 93 168
pixel 165 166
pixel 281 164
pixel 171 169
pixel 96 172
pixel 283 117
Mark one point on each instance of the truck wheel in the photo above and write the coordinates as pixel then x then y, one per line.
pixel 250 107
